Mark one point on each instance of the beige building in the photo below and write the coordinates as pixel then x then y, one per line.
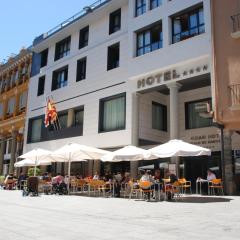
pixel 14 79
pixel 226 80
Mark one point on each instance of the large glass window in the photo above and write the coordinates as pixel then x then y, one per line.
pixel 41 86
pixel 112 113
pixel 78 117
pixel 113 56
pixel 81 69
pixel 115 21
pixel 11 106
pixel 149 40
pixel 140 7
pixel 44 58
pixel 194 118
pixel 188 24
pixel 159 116
pixel 155 4
pixel 23 101
pixel 62 117
pixel 35 130
pixel 83 37
pixel 60 78
pixel 63 48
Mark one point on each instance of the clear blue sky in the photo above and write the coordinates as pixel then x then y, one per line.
pixel 22 21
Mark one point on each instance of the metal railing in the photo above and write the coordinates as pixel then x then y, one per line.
pixel 235 94
pixel 68 21
pixel 236 22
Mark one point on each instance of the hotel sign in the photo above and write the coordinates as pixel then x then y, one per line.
pixel 173 74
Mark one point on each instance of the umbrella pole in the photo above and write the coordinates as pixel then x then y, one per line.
pixel 69 172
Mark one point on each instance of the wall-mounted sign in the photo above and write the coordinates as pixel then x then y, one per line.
pixel 173 74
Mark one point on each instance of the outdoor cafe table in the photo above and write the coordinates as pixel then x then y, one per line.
pixel 199 185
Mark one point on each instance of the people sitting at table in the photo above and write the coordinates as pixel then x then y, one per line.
pixel 22 177
pixel 96 176
pixel 9 182
pixel 146 177
pixel 210 175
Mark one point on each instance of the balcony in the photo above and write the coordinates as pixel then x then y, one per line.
pixel 236 26
pixel 235 96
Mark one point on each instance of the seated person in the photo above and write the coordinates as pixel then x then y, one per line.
pixel 22 177
pixel 9 181
pixel 96 176
pixel 210 175
pixel 146 177
pixel 158 179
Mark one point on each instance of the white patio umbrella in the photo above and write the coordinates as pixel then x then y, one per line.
pixel 178 148
pixel 30 163
pixel 38 155
pixel 128 153
pixel 73 152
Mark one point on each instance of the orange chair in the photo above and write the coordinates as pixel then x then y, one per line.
pixel 145 187
pixel 185 185
pixel 216 184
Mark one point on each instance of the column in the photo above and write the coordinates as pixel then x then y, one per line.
pixel 229 184
pixel 13 151
pixel 70 121
pixel 2 148
pixel 174 117
pixel 135 132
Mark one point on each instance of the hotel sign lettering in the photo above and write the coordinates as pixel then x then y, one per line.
pixel 166 76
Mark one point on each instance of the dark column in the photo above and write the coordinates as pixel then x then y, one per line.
pixel 13 151
pixel 2 147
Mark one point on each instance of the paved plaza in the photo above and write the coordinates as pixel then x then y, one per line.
pixel 74 217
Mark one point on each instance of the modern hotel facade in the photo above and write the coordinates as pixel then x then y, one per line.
pixel 14 79
pixel 127 72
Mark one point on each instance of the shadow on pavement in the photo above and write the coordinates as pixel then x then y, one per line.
pixel 203 199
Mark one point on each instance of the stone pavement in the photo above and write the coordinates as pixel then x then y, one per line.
pixel 75 217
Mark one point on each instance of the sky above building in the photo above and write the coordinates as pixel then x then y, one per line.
pixel 22 21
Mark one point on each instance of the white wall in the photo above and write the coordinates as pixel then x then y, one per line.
pixel 98 77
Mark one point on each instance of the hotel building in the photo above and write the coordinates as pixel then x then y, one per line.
pixel 127 72
pixel 14 79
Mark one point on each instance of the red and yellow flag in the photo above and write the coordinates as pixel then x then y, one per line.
pixel 51 113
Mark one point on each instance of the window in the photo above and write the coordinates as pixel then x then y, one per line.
pixel 60 78
pixel 44 58
pixel 1 110
pixel 23 101
pixel 35 129
pixel 188 25
pixel 11 106
pixel 9 143
pixel 155 4
pixel 62 117
pixel 83 37
pixel 41 85
pixel 115 21
pixel 78 117
pixel 113 56
pixel 140 7
pixel 112 113
pixel 193 114
pixel 149 39
pixel 159 116
pixel 81 69
pixel 62 48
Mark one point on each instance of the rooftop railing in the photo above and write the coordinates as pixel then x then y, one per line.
pixel 68 21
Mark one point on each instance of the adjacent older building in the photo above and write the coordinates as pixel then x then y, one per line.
pixel 14 80
pixel 226 80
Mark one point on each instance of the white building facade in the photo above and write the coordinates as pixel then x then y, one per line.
pixel 126 72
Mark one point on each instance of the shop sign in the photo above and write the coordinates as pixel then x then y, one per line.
pixel 211 141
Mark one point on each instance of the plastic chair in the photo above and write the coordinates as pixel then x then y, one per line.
pixel 185 185
pixel 134 189
pixel 145 187
pixel 216 184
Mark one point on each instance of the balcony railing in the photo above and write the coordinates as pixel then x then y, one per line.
pixel 235 95
pixel 235 25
